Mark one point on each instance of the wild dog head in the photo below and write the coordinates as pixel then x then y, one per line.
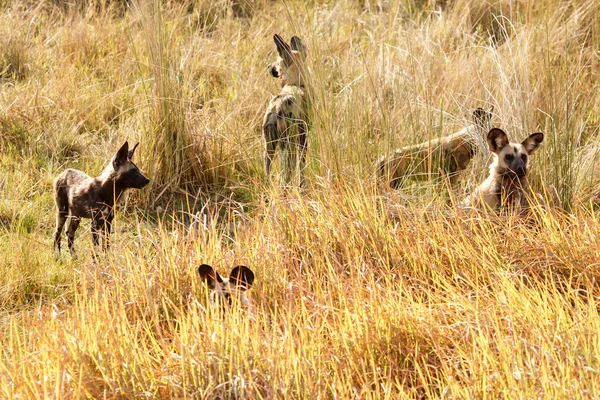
pixel 290 65
pixel 77 196
pixel 124 171
pixel 482 118
pixel 511 158
pixel 223 290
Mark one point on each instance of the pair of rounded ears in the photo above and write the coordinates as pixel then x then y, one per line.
pixel 497 139
pixel 286 50
pixel 125 153
pixel 241 276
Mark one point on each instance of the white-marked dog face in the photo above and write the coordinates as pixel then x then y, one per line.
pixel 224 290
pixel 513 157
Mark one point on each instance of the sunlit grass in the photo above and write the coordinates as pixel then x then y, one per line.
pixel 359 292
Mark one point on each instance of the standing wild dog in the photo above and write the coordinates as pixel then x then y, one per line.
pixel 286 122
pixel 448 154
pixel 78 195
pixel 507 186
pixel 222 289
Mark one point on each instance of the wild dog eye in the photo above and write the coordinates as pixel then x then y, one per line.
pixel 524 157
pixel 509 157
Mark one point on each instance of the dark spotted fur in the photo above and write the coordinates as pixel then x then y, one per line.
pixel 78 196
pixel 285 123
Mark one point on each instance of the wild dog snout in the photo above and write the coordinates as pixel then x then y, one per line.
pixel 516 164
pixel 140 181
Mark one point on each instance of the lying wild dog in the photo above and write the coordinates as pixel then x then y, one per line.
pixel 507 186
pixel 78 195
pixel 449 154
pixel 222 289
pixel 286 120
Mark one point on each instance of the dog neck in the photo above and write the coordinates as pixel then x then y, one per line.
pixel 284 83
pixel 510 187
pixel 294 77
pixel 109 190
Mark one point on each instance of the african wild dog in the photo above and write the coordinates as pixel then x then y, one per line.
pixel 449 154
pixel 222 289
pixel 507 186
pixel 286 120
pixel 78 195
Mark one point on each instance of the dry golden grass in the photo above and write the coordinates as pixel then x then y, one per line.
pixel 358 293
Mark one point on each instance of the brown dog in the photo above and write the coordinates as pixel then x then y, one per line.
pixel 78 195
pixel 448 154
pixel 507 186
pixel 222 289
pixel 286 122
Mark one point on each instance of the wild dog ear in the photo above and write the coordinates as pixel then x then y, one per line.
pixel 122 154
pixel 130 152
pixel 496 139
pixel 242 277
pixel 533 141
pixel 209 275
pixel 283 49
pixel 297 45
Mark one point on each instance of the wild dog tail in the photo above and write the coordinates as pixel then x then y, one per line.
pixel 384 171
pixel 60 193
pixel 388 165
pixel 58 184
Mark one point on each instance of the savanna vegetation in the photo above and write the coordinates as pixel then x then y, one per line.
pixel 360 292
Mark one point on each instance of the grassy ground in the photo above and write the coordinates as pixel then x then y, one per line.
pixel 359 293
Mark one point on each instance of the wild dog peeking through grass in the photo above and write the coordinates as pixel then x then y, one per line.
pixel 285 123
pixel 507 186
pixel 78 195
pixel 222 289
pixel 449 154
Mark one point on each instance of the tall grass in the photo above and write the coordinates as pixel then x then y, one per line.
pixel 166 136
pixel 359 293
